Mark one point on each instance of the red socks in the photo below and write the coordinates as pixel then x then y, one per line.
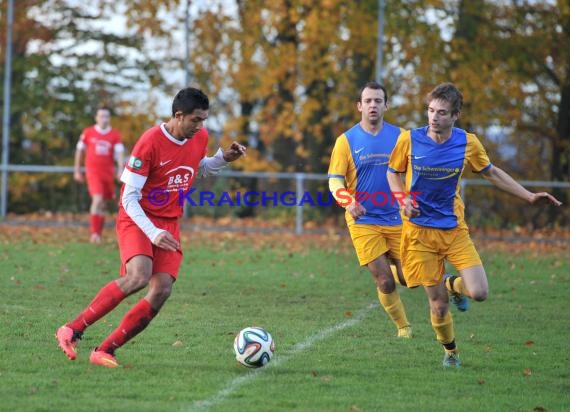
pixel 105 301
pixel 96 223
pixel 134 322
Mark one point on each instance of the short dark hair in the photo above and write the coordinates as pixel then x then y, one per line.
pixel 189 99
pixel 103 107
pixel 375 86
pixel 449 93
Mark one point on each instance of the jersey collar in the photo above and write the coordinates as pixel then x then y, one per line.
pixel 170 137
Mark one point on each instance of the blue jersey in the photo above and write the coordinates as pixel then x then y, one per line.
pixel 361 159
pixel 433 173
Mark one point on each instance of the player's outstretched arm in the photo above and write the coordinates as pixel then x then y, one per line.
pixel 211 166
pixel 505 182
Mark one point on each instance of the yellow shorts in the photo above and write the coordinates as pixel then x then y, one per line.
pixel 372 241
pixel 424 251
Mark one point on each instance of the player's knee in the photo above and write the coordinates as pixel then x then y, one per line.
pixel 439 310
pixel 480 295
pixel 133 282
pixel 385 284
pixel 439 306
pixel 97 202
pixel 160 293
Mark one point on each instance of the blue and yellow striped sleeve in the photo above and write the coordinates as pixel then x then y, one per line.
pixel 399 158
pixel 476 154
pixel 340 155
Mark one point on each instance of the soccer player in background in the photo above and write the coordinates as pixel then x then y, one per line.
pixel 101 146
pixel 357 180
pixel 433 159
pixel 162 167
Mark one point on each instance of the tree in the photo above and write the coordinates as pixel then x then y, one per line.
pixel 507 59
pixel 66 62
pixel 283 75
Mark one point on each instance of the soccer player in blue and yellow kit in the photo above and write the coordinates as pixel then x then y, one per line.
pixel 360 160
pixel 433 159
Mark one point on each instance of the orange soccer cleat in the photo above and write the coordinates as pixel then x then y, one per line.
pixel 99 357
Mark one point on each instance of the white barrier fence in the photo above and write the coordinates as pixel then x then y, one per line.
pixel 300 183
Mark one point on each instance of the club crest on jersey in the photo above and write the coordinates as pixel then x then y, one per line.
pixel 135 163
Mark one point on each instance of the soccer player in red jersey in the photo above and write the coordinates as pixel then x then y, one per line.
pixel 163 164
pixel 101 145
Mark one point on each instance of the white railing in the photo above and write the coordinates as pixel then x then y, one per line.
pixel 298 178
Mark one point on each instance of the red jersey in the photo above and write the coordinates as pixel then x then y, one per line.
pixel 164 168
pixel 100 150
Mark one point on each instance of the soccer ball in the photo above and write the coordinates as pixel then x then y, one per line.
pixel 253 347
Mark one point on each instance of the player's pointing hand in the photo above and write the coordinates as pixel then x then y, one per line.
pixel 543 196
pixel 234 152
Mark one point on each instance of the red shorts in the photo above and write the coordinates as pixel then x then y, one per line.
pixel 133 242
pixel 99 184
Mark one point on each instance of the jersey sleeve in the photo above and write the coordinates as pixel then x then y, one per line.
pixel 130 201
pixel 339 158
pixel 211 166
pixel 205 132
pixel 399 158
pixel 340 193
pixel 139 164
pixel 118 148
pixel 118 142
pixel 82 142
pixel 477 155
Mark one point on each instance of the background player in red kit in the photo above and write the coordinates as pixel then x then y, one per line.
pixel 165 161
pixel 101 145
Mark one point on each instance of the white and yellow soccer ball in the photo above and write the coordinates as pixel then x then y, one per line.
pixel 253 347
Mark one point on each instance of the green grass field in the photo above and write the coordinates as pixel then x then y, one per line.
pixel 335 348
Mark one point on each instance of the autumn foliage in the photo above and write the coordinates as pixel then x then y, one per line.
pixel 283 77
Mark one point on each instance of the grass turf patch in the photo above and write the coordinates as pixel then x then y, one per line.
pixel 335 348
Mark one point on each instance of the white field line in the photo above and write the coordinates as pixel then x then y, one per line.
pixel 323 334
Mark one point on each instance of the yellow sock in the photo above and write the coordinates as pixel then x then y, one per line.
pixel 394 308
pixel 395 274
pixel 443 328
pixel 455 284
